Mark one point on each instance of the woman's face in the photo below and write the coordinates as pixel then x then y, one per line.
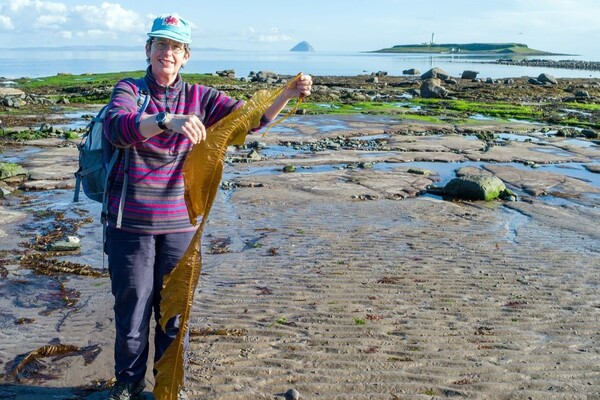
pixel 166 58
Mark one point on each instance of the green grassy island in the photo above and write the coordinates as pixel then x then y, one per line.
pixel 506 49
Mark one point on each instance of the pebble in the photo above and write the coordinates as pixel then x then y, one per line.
pixel 292 394
pixel 71 243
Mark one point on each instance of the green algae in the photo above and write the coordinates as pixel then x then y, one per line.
pixel 496 109
pixel 97 88
pixel 368 108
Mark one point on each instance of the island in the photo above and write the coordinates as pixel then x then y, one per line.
pixel 303 46
pixel 506 49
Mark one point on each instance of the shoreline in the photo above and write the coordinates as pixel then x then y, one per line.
pixel 541 63
pixel 346 64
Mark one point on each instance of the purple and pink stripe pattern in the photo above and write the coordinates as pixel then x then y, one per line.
pixel 154 203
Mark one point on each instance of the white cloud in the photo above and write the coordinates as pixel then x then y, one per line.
pixel 16 5
pixel 274 38
pixel 96 34
pixel 50 7
pixel 49 21
pixel 271 36
pixel 110 16
pixel 42 20
pixel 6 23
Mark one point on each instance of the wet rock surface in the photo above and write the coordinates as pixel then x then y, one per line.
pixel 475 187
pixel 343 278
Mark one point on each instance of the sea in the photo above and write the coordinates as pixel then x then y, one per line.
pixel 39 62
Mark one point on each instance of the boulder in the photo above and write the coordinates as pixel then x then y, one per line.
pixel 227 73
pixel 534 81
pixel 13 102
pixel 420 171
pixel 475 187
pixel 590 134
pixel 253 155
pixel 379 73
pixel 411 71
pixel 547 78
pixel 264 77
pixel 469 74
pixel 432 88
pixel 9 170
pixel 5 191
pixel 436 73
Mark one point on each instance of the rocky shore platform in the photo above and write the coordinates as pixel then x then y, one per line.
pixel 542 63
pixel 346 279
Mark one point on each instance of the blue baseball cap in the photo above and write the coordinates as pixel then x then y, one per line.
pixel 172 27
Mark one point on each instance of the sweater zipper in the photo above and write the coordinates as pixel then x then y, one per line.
pixel 167 109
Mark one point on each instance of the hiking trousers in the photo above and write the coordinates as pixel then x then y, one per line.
pixel 137 264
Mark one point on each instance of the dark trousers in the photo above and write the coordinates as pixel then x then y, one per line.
pixel 137 264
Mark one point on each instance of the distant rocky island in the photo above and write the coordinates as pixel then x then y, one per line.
pixel 303 46
pixel 501 49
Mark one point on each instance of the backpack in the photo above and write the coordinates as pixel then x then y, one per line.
pixel 97 158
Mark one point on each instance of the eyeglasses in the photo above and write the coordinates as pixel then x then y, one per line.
pixel 176 48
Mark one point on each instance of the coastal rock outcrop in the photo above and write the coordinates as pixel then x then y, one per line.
pixel 432 88
pixel 566 64
pixel 547 78
pixel 476 187
pixel 11 171
pixel 467 74
pixel 436 72
pixel 411 71
pixel 264 77
pixel 227 73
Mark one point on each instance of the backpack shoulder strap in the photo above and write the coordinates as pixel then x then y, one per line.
pixel 143 97
pixel 143 100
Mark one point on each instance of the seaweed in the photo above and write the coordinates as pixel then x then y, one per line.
pixel 41 264
pixel 202 172
pixel 29 365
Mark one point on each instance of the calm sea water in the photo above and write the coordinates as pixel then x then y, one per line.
pixel 39 63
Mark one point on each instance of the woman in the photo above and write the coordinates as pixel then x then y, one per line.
pixel 155 229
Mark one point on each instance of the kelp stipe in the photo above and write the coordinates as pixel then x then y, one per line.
pixel 280 120
pixel 202 172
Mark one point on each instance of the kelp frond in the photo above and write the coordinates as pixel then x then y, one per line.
pixel 202 172
pixel 89 353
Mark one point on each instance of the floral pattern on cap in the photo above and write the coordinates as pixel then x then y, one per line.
pixel 172 27
pixel 171 20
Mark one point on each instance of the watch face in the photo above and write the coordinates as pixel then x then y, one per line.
pixel 160 120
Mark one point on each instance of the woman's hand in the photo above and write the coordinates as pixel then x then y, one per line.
pixel 301 88
pixel 188 125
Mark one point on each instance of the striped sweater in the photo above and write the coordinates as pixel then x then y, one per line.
pixel 154 203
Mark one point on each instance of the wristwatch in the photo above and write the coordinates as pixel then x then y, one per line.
pixel 161 117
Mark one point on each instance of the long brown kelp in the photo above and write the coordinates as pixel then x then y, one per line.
pixel 30 362
pixel 202 172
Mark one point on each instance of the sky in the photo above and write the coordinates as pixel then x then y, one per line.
pixel 560 26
